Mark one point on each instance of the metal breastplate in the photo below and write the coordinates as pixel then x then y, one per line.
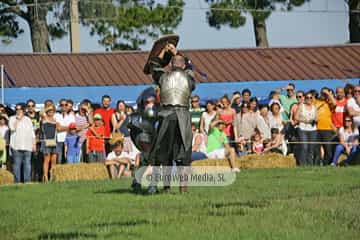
pixel 175 89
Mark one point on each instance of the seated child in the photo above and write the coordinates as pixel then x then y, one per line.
pixel 276 143
pixel 257 146
pixel 119 162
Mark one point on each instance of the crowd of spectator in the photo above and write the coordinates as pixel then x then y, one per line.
pixel 317 127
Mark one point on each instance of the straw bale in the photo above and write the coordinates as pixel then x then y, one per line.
pixel 269 160
pixel 80 171
pixel 6 177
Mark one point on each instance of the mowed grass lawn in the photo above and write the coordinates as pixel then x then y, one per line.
pixel 300 203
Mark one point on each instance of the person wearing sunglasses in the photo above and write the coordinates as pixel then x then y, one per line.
pixel 36 162
pixel 288 99
pixel 348 136
pixel 22 143
pixel 63 119
pixel 306 116
pixel 196 110
pixel 340 104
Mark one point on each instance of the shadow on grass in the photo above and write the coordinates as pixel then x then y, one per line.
pixel 235 208
pixel 66 236
pixel 130 223
pixel 123 191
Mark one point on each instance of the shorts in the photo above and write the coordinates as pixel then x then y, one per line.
pixel 218 153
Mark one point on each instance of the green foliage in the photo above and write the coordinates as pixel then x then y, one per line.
pixel 230 12
pixel 295 204
pixel 126 24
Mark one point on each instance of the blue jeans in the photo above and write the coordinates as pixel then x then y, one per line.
pixel 339 150
pixel 306 152
pixel 352 155
pixel 22 158
pixel 198 156
pixel 73 158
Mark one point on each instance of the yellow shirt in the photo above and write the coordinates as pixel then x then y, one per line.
pixel 324 114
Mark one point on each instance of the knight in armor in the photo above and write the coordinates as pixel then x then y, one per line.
pixel 173 138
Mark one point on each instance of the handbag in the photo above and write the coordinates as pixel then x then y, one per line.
pixel 50 142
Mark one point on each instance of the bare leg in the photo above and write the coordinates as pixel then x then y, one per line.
pixel 121 170
pixel 46 167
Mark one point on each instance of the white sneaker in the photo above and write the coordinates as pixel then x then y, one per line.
pixel 235 170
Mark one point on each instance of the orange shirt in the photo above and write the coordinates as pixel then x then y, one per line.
pixel 324 115
pixel 96 144
pixel 106 115
pixel 338 113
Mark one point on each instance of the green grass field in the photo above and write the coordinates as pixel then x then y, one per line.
pixel 300 203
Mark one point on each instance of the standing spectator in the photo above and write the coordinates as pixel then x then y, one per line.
pixel 236 101
pixel 36 161
pixel 196 110
pixel 64 118
pixel 353 106
pixel 119 122
pixel 288 99
pixel 72 145
pixel 325 128
pixel 349 91
pixel 70 106
pixel 106 113
pixel 82 124
pixel 3 110
pixel 275 118
pixel 227 114
pixel 348 136
pixel 254 105
pixel 48 141
pixel 306 116
pixel 207 116
pixel 246 95
pixel 263 122
pixel 340 104
pixel 22 143
pixel 218 146
pixel 4 139
pixel 95 140
pixel 300 97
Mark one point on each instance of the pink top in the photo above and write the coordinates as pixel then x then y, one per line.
pixel 229 130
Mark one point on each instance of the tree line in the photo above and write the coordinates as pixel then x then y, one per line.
pixel 127 24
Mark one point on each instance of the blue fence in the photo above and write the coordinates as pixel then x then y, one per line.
pixel 129 93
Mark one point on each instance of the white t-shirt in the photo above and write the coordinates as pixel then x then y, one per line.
pixel 349 137
pixel 352 103
pixel 207 120
pixel 131 155
pixel 64 121
pixel 22 136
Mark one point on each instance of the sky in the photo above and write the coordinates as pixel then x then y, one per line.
pixel 320 22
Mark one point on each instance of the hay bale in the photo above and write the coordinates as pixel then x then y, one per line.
pixel 6 177
pixel 269 160
pixel 80 171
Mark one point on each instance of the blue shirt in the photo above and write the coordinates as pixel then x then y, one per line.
pixel 72 141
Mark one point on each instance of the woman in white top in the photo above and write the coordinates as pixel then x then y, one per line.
pixel 306 116
pixel 207 117
pixel 348 135
pixel 275 118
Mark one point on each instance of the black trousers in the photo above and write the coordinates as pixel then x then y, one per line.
pixel 325 136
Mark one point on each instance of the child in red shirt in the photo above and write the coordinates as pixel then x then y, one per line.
pixel 95 140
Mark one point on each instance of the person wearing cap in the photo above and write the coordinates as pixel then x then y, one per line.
pixel 95 140
pixel 48 130
pixel 22 143
pixel 218 145
pixel 72 145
